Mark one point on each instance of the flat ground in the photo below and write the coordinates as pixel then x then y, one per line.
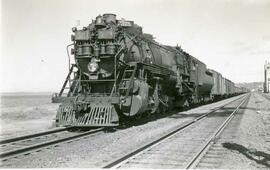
pixel 247 142
pixel 26 113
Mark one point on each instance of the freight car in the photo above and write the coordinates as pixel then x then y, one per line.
pixel 223 88
pixel 122 73
pixel 218 90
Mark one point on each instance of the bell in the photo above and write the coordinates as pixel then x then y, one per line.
pixel 99 22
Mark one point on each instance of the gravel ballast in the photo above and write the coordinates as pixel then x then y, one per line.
pixel 247 139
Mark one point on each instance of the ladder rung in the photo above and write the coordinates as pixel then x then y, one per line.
pixel 123 88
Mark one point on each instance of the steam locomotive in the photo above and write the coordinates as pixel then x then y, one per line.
pixel 122 73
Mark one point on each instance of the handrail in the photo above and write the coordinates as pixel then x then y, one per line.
pixel 67 79
pixel 95 80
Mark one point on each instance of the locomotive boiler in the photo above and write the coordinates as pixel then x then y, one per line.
pixel 122 73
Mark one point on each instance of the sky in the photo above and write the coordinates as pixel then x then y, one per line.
pixel 229 36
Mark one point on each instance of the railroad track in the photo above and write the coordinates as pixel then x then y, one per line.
pixel 24 145
pixel 184 146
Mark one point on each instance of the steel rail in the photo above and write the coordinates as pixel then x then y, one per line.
pixel 18 151
pixel 15 139
pixel 211 140
pixel 122 160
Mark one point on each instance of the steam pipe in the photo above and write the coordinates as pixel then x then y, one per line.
pixel 69 55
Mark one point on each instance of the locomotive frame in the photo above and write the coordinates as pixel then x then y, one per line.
pixel 122 73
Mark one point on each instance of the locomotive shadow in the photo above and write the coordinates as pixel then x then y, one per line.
pixel 252 154
pixel 220 113
pixel 228 110
pixel 145 120
pixel 223 112
pixel 174 114
pixel 184 115
pixel 170 114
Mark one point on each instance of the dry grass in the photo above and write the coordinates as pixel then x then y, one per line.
pixel 22 114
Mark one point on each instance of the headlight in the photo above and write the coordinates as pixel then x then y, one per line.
pixel 93 66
